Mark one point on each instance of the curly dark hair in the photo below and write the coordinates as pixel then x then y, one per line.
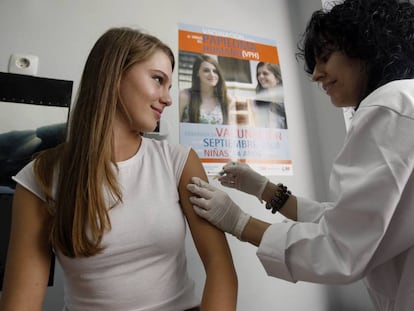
pixel 379 32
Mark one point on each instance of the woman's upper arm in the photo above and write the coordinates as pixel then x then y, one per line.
pixel 208 239
pixel 28 258
pixel 220 288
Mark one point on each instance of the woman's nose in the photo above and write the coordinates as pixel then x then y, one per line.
pixel 166 99
pixel 317 73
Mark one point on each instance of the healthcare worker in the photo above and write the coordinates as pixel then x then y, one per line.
pixel 361 52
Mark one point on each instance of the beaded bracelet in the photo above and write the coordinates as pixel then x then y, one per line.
pixel 279 199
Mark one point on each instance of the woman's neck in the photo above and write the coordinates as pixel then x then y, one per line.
pixel 207 92
pixel 126 143
pixel 127 148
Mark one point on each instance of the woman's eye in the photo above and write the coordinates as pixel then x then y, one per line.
pixel 325 56
pixel 158 79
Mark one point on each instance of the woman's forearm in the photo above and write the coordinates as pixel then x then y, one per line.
pixel 220 291
pixel 289 209
pixel 254 230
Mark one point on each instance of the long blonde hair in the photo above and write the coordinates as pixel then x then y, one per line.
pixel 84 171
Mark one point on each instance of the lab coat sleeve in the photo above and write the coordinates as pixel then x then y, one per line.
pixel 311 211
pixel 339 240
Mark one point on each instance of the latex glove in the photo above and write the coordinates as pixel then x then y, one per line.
pixel 242 177
pixel 217 207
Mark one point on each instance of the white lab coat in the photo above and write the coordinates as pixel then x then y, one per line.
pixel 368 232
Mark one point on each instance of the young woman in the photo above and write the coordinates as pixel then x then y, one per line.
pixel 270 111
pixel 362 54
pixel 207 100
pixel 112 204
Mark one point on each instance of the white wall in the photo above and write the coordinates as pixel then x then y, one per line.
pixel 61 34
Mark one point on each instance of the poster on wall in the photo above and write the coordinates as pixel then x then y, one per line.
pixel 231 103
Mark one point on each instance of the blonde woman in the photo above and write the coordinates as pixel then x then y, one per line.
pixel 112 204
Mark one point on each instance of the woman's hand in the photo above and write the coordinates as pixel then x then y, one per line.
pixel 242 177
pixel 217 207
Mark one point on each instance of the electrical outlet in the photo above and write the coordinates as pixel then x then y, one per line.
pixel 24 64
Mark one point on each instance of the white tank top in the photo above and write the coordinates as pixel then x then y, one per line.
pixel 143 266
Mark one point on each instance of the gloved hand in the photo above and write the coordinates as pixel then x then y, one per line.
pixel 242 177
pixel 217 207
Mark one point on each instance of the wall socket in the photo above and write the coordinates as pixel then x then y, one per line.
pixel 24 64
